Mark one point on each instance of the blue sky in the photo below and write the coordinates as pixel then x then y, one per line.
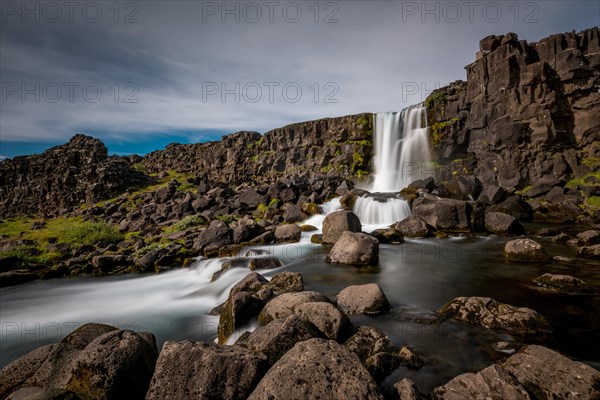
pixel 142 74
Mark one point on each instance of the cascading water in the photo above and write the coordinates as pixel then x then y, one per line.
pixel 401 156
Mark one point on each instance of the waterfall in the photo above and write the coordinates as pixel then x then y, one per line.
pixel 400 157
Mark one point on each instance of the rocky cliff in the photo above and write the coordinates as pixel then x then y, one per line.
pixel 339 146
pixel 528 112
pixel 62 178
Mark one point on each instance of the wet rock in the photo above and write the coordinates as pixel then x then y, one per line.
pixel 413 227
pixel 589 251
pixel 283 305
pixel 525 250
pixel 492 314
pixel 410 358
pixel 314 369
pixel 245 230
pixel 288 233
pixel 85 334
pixel 589 238
pixel 187 370
pixel 355 249
pixel 363 299
pixel 38 393
pixel 446 214
pixel 317 238
pixel 338 222
pixel 514 206
pixel 17 277
pixel 264 263
pixel 382 364
pixel 279 336
pixel 490 383
pixel 503 224
pixel 538 189
pixel 566 284
pixel 368 341
pixel 388 235
pixel 407 390
pixel 549 375
pixel 328 319
pixel 285 282
pixel 311 208
pixel 308 228
pixel 108 263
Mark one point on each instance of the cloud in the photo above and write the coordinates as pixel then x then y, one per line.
pixel 154 75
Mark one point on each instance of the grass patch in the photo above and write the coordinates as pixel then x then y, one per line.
pixel 591 179
pixel 593 201
pixel 188 222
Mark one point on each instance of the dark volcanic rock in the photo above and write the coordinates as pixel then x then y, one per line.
pixel 503 224
pixel 448 214
pixel 355 249
pixel 315 369
pixel 566 284
pixel 85 334
pixel 279 336
pixel 187 370
pixel 525 250
pixel 332 323
pixel 62 178
pixel 363 299
pixel 491 314
pixel 284 305
pixel 413 227
pixel 338 222
pixel 288 233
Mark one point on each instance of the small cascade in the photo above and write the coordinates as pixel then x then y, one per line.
pixel 401 156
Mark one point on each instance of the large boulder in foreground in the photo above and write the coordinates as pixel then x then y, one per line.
pixel 195 370
pixel 317 369
pixel 492 314
pixel 363 299
pixel 355 249
pixel 117 364
pixel 566 284
pixel 86 333
pixel 284 305
pixel 339 222
pixel 503 224
pixel 535 372
pixel 525 250
pixel 449 215
pixel 278 336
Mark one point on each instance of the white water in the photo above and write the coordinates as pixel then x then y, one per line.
pixel 401 156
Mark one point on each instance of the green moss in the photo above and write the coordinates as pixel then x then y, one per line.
pixel 591 179
pixel 593 201
pixel 187 222
pixel 439 131
pixel 593 163
pixel 226 218
pixel 327 168
pixel 187 187
pixel 338 152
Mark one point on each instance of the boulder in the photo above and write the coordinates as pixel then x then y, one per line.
pixel 589 251
pixel 363 299
pixel 538 189
pixel 525 250
pixel 279 336
pixel 293 213
pixel 285 282
pixel 566 284
pixel 589 237
pixel 338 222
pixel 492 194
pixel 382 364
pixel 368 341
pixel 330 321
pixel 492 314
pixel 288 233
pixel 283 305
pixel 388 235
pixel 514 206
pixel 85 334
pixel 550 375
pixel 490 383
pixel 407 390
pixel 118 364
pixel 503 224
pixel 245 230
pixel 355 249
pixel 195 370
pixel 413 227
pixel 446 214
pixel 251 198
pixel 212 238
pixel 317 369
pixel 38 393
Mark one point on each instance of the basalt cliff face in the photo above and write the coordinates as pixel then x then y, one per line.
pixel 63 177
pixel 527 113
pixel 337 146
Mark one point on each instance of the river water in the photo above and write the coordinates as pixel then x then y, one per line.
pixel 418 277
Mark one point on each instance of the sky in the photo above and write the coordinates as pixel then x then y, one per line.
pixel 142 74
